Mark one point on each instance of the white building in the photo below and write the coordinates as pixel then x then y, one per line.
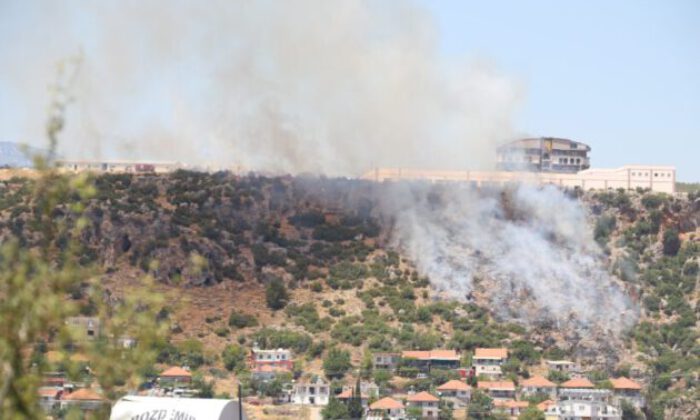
pixel 428 404
pixel 386 409
pixel 628 390
pixel 538 385
pixel 273 357
pixel 458 392
pixel 488 362
pixel 314 391
pixel 580 404
pixel 564 366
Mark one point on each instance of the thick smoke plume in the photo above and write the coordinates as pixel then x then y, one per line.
pixel 527 251
pixel 280 86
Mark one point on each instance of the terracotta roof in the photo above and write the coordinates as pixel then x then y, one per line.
pixel 453 385
pixel 545 405
pixel 347 394
pixel 496 353
pixel 625 383
pixel 428 355
pixel 505 385
pixel 578 383
pixel 386 404
pixel 175 371
pixel 49 392
pixel 538 382
pixel 423 397
pixel 84 394
pixel 511 404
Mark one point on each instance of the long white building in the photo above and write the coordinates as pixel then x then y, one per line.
pixel 629 177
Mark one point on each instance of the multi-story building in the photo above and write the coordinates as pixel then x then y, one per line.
pixel 314 391
pixel 538 385
pixel 274 357
pixel 498 390
pixel 579 404
pixel 628 390
pixel 488 361
pixel 543 154
pixel 458 392
pixel 564 366
pixel 433 359
pixel 510 408
pixel 427 403
pixel 386 361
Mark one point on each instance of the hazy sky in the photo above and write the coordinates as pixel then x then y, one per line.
pixel 622 76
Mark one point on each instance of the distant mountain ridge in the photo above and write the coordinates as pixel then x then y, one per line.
pixel 15 155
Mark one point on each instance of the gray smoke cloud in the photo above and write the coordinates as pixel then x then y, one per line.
pixel 281 86
pixel 528 251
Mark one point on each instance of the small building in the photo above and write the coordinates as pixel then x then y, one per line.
pixel 458 392
pixel 564 366
pixel 84 327
pixel 175 375
pixel 433 359
pixel 510 408
pixel 498 390
pixel 266 373
pixel 313 391
pixel 581 403
pixel 428 403
pixel 274 357
pixel 85 398
pixel 544 405
pixel 49 398
pixel 370 388
pixel 538 385
pixel 386 361
pixel 347 395
pixel 628 390
pixel 386 409
pixel 488 361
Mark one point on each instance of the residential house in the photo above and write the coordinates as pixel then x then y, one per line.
pixel 347 395
pixel 274 357
pixel 313 391
pixel 386 409
pixel 544 405
pixel 564 366
pixel 510 408
pixel 538 385
pixel 386 361
pixel 433 359
pixel 367 388
pixel 85 398
pixel 583 403
pixel 175 375
pixel 498 390
pixel 266 373
pixel 49 398
pixel 458 392
pixel 428 403
pixel 488 361
pixel 628 390
pixel 84 327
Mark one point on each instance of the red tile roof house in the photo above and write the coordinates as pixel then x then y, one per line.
pixel 268 372
pixel 86 399
pixel 175 375
pixel 458 392
pixel 629 390
pixel 538 385
pixel 433 359
pixel 510 408
pixel 577 383
pixel 427 402
pixel 346 396
pixel 49 398
pixel 386 408
pixel 488 361
pixel 498 390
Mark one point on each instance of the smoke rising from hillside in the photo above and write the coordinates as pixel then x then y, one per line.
pixel 529 251
pixel 282 86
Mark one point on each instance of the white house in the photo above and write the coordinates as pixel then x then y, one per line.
pixel 628 390
pixel 386 409
pixel 580 404
pixel 427 402
pixel 314 391
pixel 498 390
pixel 538 385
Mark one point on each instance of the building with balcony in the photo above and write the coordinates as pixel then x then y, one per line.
pixel 488 362
pixel 313 391
pixel 426 402
pixel 543 154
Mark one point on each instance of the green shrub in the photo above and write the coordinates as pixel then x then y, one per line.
pixel 336 363
pixel 241 320
pixel 276 294
pixel 234 357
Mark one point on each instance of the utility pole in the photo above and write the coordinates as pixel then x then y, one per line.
pixel 240 402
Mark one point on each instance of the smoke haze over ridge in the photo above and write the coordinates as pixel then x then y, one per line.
pixel 299 86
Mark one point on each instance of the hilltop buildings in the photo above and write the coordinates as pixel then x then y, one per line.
pixel 544 154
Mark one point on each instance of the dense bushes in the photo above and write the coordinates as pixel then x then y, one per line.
pixel 276 294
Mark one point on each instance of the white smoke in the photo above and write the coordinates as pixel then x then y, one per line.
pixel 529 251
pixel 283 86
